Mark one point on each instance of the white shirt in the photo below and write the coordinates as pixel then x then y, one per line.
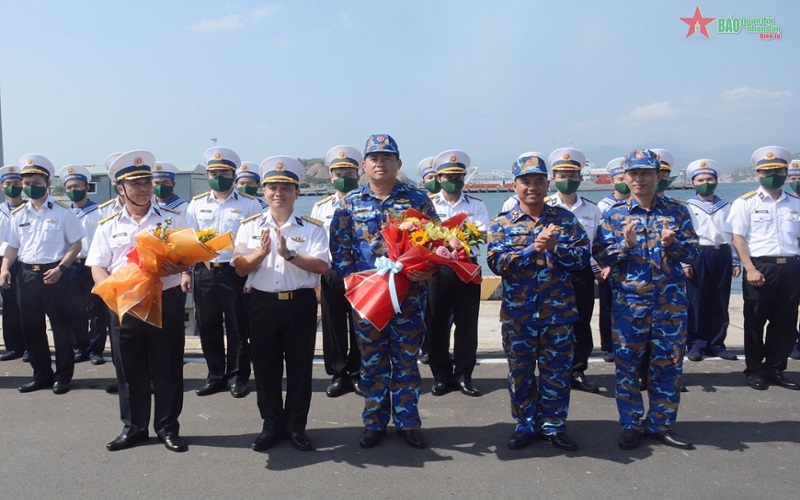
pixel 206 212
pixel 275 274
pixel 5 224
pixel 710 221
pixel 770 228
pixel 110 207
pixel 510 204
pixel 473 207
pixel 587 213
pixel 608 202
pixel 43 237
pixel 115 236
pixel 173 203
pixel 89 215
pixel 323 211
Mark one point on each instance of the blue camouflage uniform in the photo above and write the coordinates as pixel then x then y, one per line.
pixel 389 373
pixel 649 306
pixel 538 312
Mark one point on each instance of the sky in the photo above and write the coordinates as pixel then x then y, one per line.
pixel 82 79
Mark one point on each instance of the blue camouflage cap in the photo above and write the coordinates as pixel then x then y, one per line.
pixel 641 158
pixel 381 143
pixel 529 163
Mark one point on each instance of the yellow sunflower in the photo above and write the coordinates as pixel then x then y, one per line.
pixel 419 237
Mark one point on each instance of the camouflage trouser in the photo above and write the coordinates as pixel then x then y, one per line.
pixel 539 406
pixel 666 338
pixel 389 372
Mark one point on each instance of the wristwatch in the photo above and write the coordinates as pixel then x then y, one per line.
pixel 62 268
pixel 292 255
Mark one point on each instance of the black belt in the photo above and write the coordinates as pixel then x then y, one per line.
pixel 775 260
pixel 39 267
pixel 292 295
pixel 216 265
pixel 714 247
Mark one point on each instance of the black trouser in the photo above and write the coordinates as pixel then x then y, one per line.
pixel 775 302
pixel 219 299
pixel 453 297
pixel 36 299
pixel 143 352
pixel 89 324
pixel 283 327
pixel 709 294
pixel 12 323
pixel 339 348
pixel 606 297
pixel 583 284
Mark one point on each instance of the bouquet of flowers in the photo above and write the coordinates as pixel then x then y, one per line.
pixel 414 243
pixel 136 288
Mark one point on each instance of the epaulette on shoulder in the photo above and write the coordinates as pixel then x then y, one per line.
pixel 547 198
pixel 312 220
pixel 18 208
pixel 587 200
pixel 200 195
pixel 324 200
pixel 62 204
pixel 106 219
pixel 431 195
pixel 473 197
pixel 252 217
pixel 247 195
pixel 747 195
pixel 170 210
pixel 106 203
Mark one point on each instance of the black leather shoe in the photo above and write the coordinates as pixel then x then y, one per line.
pixel 239 390
pixel 440 388
pixel 413 438
pixel 608 357
pixel 174 442
pixel 581 383
pixel 694 356
pixel 26 357
pixel 35 385
pixel 97 359
pixel 423 357
pixel 757 382
pixel 795 352
pixel 339 386
pixel 210 388
pixel 300 441
pixel 264 441
pixel 11 355
pixel 61 388
pixel 629 439
pixel 112 388
pixel 779 379
pixel 357 387
pixel 726 355
pixel 124 441
pixel 669 438
pixel 80 357
pixel 519 440
pixel 371 437
pixel 468 389
pixel 561 441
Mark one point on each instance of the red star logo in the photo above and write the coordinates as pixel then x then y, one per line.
pixel 697 23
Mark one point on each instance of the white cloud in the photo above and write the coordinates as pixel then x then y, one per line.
pixel 233 22
pixel 743 93
pixel 656 111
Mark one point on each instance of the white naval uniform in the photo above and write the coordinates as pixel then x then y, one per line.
pixel 43 237
pixel 587 213
pixel 710 221
pixel 769 227
pixel 206 212
pixel 110 207
pixel 275 274
pixel 89 216
pixel 174 202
